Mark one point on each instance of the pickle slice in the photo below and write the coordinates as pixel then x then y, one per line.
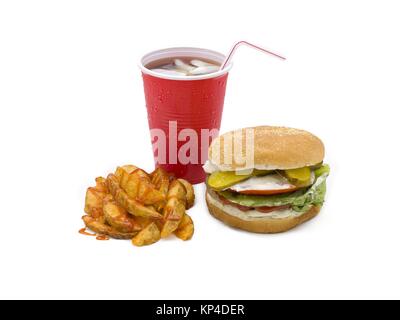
pixel 223 179
pixel 300 174
pixel 258 172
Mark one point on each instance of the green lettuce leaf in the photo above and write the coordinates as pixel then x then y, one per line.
pixel 321 170
pixel 301 200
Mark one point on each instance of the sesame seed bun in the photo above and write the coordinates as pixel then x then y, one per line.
pixel 275 148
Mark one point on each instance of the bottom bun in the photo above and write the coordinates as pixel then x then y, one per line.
pixel 261 225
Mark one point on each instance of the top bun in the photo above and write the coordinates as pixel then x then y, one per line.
pixel 275 148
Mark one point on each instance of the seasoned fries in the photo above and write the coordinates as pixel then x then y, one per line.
pixel 132 204
pixel 160 179
pixel 189 193
pixel 104 229
pixel 173 214
pixel 149 235
pixel 94 202
pixel 186 228
pixel 178 191
pixel 119 218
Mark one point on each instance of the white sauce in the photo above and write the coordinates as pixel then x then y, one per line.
pixel 268 182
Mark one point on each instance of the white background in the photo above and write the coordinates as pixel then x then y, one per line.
pixel 72 108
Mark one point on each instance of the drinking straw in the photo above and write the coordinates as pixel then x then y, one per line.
pixel 238 44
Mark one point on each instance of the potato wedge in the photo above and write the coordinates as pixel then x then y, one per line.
pixel 144 222
pixel 186 228
pixel 125 174
pixel 177 190
pixel 147 236
pixel 94 202
pixel 102 228
pixel 138 186
pixel 124 179
pixel 131 185
pixel 124 169
pixel 160 179
pixel 101 184
pixel 141 173
pixel 147 193
pixel 132 206
pixel 173 213
pixel 190 197
pixel 118 218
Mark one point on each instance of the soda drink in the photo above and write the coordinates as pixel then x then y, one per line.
pixel 184 91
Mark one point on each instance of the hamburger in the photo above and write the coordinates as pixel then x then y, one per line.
pixel 266 179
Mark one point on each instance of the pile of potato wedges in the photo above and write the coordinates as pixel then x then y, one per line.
pixel 132 204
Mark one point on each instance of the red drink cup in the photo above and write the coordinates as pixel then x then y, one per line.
pixel 184 112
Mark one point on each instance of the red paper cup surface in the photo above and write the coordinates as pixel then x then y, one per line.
pixel 184 112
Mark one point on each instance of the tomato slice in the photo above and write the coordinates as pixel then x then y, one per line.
pixel 270 209
pixel 264 209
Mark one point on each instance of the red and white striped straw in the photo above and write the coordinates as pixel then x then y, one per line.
pixel 238 44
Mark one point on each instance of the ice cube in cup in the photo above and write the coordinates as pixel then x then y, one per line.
pixel 204 70
pixel 184 66
pixel 200 63
pixel 181 65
